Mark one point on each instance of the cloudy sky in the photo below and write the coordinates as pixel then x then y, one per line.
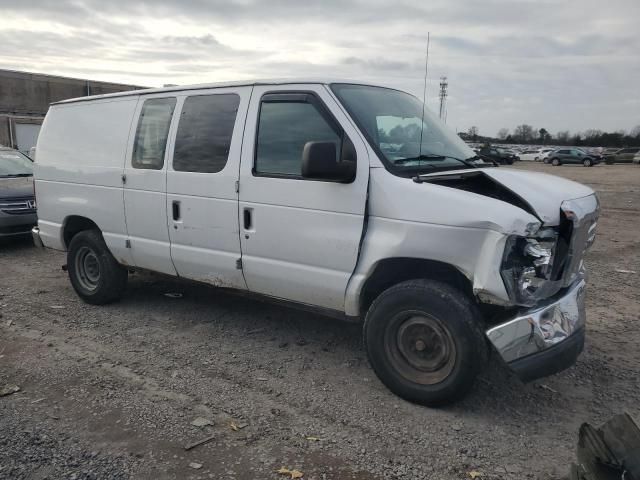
pixel 558 64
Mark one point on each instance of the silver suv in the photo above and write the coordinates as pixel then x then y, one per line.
pixel 572 155
pixel 17 199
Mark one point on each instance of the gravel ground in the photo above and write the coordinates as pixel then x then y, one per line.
pixel 111 392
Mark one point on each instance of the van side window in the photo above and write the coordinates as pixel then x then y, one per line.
pixel 284 127
pixel 204 133
pixel 151 135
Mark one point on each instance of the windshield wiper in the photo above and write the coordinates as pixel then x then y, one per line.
pixel 13 175
pixel 431 156
pixel 424 156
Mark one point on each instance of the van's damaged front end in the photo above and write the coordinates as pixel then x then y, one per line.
pixel 544 275
pixel 518 237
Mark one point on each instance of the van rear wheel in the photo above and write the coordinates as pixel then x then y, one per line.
pixel 95 274
pixel 424 341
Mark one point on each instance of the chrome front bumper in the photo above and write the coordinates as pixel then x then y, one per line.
pixel 546 339
pixel 35 233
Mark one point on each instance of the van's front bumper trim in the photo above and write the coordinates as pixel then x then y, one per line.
pixel 546 339
pixel 35 233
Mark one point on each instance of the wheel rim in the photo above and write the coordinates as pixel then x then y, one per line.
pixel 420 347
pixel 87 268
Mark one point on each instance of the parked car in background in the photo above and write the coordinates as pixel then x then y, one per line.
pixel 534 155
pixel 544 153
pixel 17 199
pixel 529 155
pixel 572 155
pixel 624 155
pixel 315 206
pixel 497 154
pixel 636 158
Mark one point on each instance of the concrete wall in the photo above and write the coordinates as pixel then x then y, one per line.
pixel 25 97
pixel 24 93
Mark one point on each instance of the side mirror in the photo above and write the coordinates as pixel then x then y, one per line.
pixel 319 161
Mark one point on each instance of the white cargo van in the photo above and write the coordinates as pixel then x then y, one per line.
pixel 336 196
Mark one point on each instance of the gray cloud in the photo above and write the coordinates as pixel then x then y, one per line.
pixel 553 63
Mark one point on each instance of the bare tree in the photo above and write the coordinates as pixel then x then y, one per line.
pixel 523 133
pixel 592 133
pixel 503 133
pixel 563 136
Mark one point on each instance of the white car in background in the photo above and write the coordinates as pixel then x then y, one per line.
pixel 544 154
pixel 530 155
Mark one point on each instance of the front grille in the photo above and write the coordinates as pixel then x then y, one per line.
pixel 580 217
pixel 18 206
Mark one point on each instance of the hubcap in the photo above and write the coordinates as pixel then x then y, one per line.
pixel 420 347
pixel 87 268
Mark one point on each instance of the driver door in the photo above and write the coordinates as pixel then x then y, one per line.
pixel 300 237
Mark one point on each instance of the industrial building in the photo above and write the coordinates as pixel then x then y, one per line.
pixel 25 99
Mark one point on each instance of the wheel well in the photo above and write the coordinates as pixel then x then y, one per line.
pixel 392 271
pixel 76 224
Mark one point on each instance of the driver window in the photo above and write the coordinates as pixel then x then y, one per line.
pixel 283 130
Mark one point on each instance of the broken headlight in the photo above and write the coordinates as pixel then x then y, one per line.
pixel 528 267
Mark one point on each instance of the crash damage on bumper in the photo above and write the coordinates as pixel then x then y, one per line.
pixel 544 340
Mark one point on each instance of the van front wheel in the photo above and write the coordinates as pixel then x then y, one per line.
pixel 95 275
pixel 424 341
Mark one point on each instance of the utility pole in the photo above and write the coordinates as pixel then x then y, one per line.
pixel 444 85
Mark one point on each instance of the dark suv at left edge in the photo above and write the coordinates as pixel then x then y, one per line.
pixel 17 199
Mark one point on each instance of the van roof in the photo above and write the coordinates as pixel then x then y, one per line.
pixel 200 86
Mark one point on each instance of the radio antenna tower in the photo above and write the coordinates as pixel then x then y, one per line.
pixel 444 85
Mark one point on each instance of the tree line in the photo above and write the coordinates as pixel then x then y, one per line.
pixel 527 134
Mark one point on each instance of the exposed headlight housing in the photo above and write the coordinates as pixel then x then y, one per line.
pixel 528 267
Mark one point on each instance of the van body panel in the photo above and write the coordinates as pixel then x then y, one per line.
pixel 81 154
pixel 475 252
pixel 304 236
pixel 205 243
pixel 145 204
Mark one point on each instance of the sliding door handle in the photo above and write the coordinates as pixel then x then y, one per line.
pixel 247 216
pixel 175 209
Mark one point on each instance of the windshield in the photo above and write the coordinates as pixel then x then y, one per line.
pixel 392 122
pixel 14 164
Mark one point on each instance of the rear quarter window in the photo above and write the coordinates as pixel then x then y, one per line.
pixel 204 133
pixel 151 135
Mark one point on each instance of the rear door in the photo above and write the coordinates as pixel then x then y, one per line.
pixel 564 156
pixel 144 177
pixel 300 237
pixel 202 198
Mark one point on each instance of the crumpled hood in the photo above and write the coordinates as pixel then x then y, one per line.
pixel 15 187
pixel 543 192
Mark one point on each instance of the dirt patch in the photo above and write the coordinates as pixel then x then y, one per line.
pixel 110 392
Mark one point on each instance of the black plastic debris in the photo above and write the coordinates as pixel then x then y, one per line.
pixel 609 452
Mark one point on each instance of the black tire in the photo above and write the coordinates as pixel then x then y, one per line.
pixel 555 162
pixel 587 162
pixel 95 274
pixel 393 332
